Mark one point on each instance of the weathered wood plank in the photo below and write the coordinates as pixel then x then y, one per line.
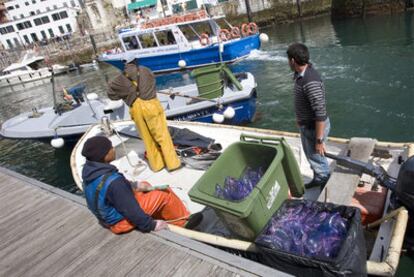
pixel 43 234
pixel 343 182
pixel 42 243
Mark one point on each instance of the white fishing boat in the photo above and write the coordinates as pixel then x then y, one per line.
pixel 29 69
pixel 230 99
pixel 383 255
pixel 184 42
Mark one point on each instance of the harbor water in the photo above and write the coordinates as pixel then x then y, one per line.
pixel 366 65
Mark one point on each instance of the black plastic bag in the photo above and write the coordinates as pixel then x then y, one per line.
pixel 350 260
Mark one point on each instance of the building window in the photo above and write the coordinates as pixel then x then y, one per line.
pixel 63 14
pixel 65 4
pixel 3 31
pixel 34 37
pixel 52 35
pixel 26 3
pixel 69 28
pixel 14 17
pixel 54 7
pixel 37 21
pixel 47 9
pixel 45 19
pixel 10 8
pixel 55 16
pixel 27 24
pixel 32 13
pixel 37 11
pixel 16 42
pixel 26 39
pixel 21 16
pixel 61 30
pixel 10 29
pixel 43 35
pixel 19 26
pixel 9 43
pixel 72 3
pixel 34 1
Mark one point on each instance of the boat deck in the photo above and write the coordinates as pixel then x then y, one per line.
pixel 49 232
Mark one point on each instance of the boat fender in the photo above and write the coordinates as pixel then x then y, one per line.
pixel 229 112
pixel 235 32
pixel 149 25
pixel 179 19
pixel 224 35
pixel 204 39
pixel 92 96
pixel 182 64
pixel 218 118
pixel 264 37
pixel 253 28
pixel 57 142
pixel 113 105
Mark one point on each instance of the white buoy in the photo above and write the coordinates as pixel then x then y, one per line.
pixel 182 63
pixel 218 118
pixel 229 112
pixel 57 142
pixel 264 37
pixel 92 96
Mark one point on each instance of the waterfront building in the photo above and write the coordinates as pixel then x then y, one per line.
pixel 37 21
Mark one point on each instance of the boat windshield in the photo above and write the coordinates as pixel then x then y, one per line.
pixel 148 40
pixel 194 30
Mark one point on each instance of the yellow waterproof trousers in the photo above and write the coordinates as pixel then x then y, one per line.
pixel 150 120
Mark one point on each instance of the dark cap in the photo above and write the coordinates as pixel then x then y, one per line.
pixel 96 148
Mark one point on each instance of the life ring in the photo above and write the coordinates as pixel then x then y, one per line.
pixel 149 25
pixel 179 19
pixel 245 29
pixel 235 32
pixel 253 28
pixel 204 39
pixel 224 35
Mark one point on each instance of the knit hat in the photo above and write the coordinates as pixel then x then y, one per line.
pixel 96 148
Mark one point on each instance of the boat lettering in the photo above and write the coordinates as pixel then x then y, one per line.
pixel 272 195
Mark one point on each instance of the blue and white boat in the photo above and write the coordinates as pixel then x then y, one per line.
pixel 185 42
pixel 230 99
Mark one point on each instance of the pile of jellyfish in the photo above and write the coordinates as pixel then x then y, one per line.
pixel 238 189
pixel 306 230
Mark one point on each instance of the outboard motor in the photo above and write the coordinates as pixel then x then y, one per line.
pixel 404 191
pixel 404 188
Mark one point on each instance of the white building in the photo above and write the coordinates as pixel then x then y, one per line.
pixel 32 21
pixel 159 8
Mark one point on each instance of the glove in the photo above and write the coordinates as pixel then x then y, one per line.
pixel 160 225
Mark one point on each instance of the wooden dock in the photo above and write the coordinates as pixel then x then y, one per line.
pixel 45 231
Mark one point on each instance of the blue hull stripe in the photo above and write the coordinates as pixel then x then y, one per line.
pixel 245 111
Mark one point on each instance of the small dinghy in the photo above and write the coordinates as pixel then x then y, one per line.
pixel 282 163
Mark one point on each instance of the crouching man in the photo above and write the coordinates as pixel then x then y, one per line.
pixel 116 204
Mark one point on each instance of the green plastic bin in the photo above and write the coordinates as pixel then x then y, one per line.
pixel 246 218
pixel 210 80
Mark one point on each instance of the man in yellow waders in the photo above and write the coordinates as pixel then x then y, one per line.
pixel 136 86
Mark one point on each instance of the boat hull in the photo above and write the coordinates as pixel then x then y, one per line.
pixel 245 110
pixel 160 63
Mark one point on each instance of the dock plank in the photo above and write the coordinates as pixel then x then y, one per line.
pixel 343 181
pixel 48 232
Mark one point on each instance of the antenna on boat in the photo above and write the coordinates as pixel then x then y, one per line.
pixel 56 142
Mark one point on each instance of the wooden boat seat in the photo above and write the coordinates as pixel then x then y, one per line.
pixel 343 181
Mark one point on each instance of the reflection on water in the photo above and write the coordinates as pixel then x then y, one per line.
pixel 366 65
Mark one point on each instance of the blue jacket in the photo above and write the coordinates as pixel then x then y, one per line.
pixel 118 199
